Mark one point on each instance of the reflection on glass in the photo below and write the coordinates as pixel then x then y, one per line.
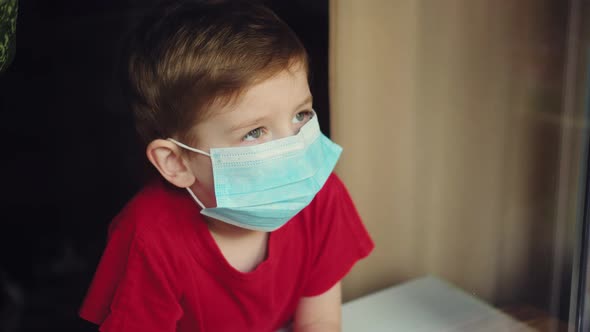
pixel 481 199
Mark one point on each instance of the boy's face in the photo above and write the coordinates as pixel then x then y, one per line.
pixel 275 108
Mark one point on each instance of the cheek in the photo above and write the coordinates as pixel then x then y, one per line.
pixel 203 171
pixel 203 186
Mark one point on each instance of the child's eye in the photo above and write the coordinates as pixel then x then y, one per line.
pixel 253 135
pixel 302 117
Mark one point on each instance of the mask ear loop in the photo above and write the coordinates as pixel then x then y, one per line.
pixel 195 198
pixel 188 147
pixel 197 151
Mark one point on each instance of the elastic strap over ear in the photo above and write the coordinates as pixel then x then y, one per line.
pixel 195 197
pixel 188 147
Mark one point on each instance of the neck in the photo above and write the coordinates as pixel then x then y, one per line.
pixel 243 249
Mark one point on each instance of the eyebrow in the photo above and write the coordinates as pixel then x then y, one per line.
pixel 246 124
pixel 308 100
pixel 251 123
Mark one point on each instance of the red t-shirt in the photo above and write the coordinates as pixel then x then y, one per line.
pixel 162 270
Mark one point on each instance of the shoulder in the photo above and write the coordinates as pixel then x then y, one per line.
pixel 158 210
pixel 336 236
pixel 143 258
pixel 331 204
pixel 332 192
pixel 333 181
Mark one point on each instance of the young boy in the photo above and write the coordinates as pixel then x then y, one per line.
pixel 247 228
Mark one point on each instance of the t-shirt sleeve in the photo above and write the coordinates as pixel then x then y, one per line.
pixel 134 288
pixel 339 237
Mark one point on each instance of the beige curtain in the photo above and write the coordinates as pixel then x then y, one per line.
pixel 449 113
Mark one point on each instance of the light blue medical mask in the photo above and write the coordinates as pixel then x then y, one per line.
pixel 261 187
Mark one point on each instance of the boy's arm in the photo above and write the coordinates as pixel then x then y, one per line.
pixel 320 313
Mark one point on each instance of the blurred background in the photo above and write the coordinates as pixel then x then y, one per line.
pixel 464 132
pixel 463 124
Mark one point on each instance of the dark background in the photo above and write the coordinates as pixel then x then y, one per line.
pixel 69 154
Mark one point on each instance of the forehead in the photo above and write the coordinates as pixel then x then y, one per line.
pixel 284 89
pixel 270 99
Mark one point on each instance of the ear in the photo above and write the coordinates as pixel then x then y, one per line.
pixel 167 158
